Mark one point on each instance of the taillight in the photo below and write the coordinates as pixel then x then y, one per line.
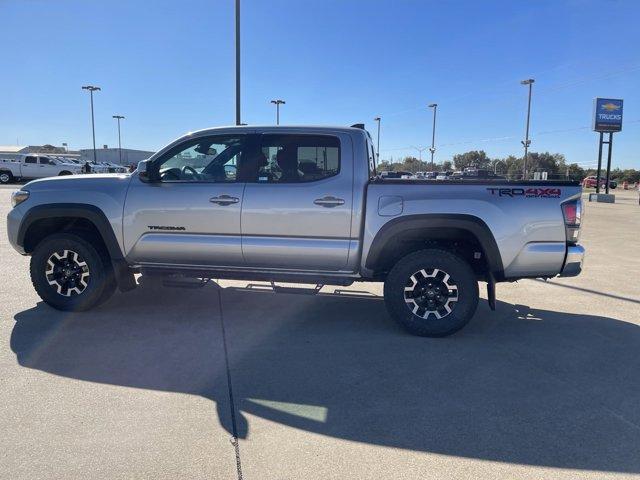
pixel 572 212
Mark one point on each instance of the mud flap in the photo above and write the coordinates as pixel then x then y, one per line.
pixel 491 291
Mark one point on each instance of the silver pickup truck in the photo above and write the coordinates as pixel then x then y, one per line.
pixel 294 204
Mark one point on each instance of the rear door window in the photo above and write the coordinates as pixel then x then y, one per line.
pixel 31 160
pixel 297 158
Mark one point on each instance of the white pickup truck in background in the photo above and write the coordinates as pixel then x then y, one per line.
pixel 29 166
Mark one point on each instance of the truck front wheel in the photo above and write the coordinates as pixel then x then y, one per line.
pixel 69 274
pixel 431 293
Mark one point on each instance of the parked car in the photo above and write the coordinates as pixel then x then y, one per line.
pixel 29 166
pixel 395 174
pixel 300 205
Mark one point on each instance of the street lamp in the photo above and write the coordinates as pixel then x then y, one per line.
pixel 277 103
pixel 526 142
pixel 118 118
pixel 378 119
pixel 433 133
pixel 92 89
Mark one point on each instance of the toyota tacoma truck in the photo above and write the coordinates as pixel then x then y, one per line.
pixel 297 205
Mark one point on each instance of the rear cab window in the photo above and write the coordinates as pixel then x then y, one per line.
pixel 297 158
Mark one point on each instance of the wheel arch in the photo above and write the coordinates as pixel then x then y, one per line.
pixel 70 212
pixel 406 234
pixel 42 220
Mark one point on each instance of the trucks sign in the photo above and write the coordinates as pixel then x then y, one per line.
pixel 607 115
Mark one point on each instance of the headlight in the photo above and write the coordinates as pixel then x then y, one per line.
pixel 18 197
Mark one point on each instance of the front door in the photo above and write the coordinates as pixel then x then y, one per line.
pixel 296 212
pixel 191 217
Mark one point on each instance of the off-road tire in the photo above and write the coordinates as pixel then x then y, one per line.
pixel 461 279
pixel 100 282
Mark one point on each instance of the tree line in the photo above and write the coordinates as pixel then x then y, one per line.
pixel 511 167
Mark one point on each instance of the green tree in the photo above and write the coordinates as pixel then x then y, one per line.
pixel 474 158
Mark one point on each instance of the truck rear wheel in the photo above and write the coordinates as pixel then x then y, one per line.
pixel 69 274
pixel 431 293
pixel 6 177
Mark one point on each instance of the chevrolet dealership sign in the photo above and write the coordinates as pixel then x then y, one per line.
pixel 607 115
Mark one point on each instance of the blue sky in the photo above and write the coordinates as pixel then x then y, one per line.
pixel 169 69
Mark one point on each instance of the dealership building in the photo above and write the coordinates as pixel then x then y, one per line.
pixel 112 155
pixel 105 154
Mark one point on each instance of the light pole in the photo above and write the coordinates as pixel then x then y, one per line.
pixel 378 119
pixel 433 133
pixel 238 122
pixel 118 118
pixel 277 103
pixel 526 142
pixel 92 89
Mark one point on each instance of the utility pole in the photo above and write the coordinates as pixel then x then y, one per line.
pixel 526 141
pixel 433 133
pixel 238 121
pixel 277 103
pixel 377 160
pixel 92 89
pixel 118 118
pixel 420 149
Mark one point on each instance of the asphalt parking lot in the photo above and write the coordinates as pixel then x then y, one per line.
pixel 325 387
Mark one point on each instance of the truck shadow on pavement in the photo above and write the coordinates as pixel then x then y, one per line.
pixel 520 386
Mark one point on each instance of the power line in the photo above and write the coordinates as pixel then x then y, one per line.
pixel 550 88
pixel 508 137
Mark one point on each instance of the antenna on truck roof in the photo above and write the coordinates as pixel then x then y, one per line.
pixel 358 125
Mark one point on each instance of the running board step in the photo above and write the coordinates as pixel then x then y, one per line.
pixel 298 290
pixel 191 283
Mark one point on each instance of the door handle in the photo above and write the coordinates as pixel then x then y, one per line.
pixel 224 200
pixel 329 201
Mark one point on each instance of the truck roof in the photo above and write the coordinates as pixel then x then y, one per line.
pixel 276 128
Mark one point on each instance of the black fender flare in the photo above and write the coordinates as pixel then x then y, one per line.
pixel 72 210
pixel 97 217
pixel 435 221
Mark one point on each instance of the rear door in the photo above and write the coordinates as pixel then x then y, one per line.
pixel 297 210
pixel 29 167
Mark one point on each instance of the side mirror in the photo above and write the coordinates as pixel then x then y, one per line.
pixel 147 172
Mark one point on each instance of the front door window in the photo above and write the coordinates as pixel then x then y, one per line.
pixel 208 159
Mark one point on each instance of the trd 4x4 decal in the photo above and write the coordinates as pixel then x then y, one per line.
pixel 526 192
